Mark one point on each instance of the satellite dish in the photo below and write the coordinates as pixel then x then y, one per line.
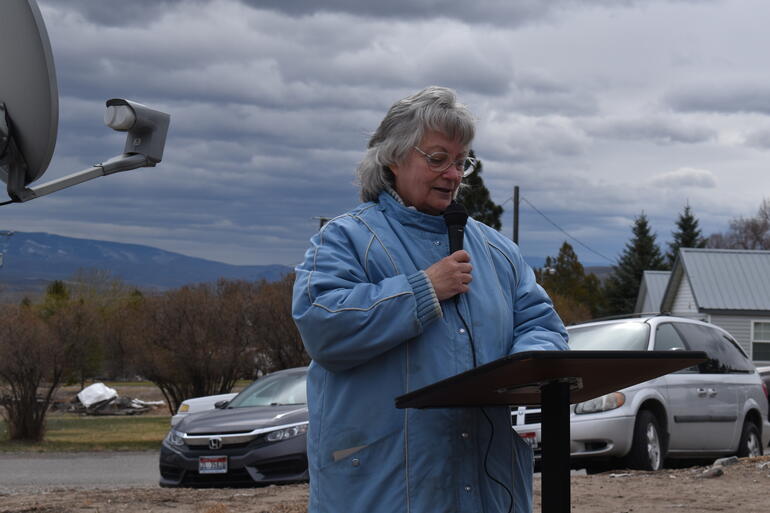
pixel 29 112
pixel 28 84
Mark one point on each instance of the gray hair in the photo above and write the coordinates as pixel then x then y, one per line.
pixel 434 108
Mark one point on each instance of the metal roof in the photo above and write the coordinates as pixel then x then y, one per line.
pixel 725 279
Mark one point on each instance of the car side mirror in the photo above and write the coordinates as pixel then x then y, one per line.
pixel 221 405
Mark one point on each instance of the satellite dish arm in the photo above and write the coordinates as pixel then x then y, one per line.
pixel 116 164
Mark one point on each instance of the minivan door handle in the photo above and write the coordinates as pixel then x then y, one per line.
pixel 712 392
pixel 701 392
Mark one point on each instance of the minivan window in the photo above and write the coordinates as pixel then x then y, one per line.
pixel 667 338
pixel 615 336
pixel 724 355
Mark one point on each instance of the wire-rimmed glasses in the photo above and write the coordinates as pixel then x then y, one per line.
pixel 440 161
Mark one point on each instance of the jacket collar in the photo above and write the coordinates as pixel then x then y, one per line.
pixel 408 216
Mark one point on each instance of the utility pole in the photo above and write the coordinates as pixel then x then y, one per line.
pixel 516 214
pixel 7 234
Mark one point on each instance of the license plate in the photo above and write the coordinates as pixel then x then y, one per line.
pixel 530 438
pixel 212 464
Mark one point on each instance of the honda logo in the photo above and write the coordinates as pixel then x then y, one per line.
pixel 215 443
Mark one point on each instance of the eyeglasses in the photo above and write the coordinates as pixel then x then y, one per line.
pixel 440 161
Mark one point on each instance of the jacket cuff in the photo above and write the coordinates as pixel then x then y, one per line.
pixel 428 306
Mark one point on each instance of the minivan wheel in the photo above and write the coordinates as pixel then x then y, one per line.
pixel 647 448
pixel 751 444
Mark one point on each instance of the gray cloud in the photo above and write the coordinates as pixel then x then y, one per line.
pixel 538 95
pixel 501 12
pixel 685 177
pixel 724 98
pixel 759 139
pixel 658 129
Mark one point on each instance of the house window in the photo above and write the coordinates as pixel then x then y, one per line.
pixel 760 343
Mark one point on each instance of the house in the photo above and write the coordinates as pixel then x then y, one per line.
pixel 651 291
pixel 726 287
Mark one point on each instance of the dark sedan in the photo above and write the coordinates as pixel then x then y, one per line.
pixel 257 438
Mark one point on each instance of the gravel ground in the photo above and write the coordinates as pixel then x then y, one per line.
pixel 741 487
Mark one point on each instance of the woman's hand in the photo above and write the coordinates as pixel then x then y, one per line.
pixel 451 275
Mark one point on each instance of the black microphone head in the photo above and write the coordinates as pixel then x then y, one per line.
pixel 455 214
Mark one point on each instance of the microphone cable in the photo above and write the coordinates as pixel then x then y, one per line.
pixel 486 457
pixel 467 329
pixel 489 420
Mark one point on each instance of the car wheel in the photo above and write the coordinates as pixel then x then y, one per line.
pixel 647 448
pixel 751 444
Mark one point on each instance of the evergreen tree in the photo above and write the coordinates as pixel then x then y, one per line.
pixel 565 276
pixel 688 235
pixel 475 197
pixel 641 254
pixel 56 297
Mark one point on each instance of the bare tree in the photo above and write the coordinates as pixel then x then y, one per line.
pixel 74 325
pixel 746 232
pixel 199 340
pixel 279 345
pixel 32 360
pixel 194 341
pixel 113 305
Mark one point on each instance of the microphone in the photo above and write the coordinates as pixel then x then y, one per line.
pixel 455 217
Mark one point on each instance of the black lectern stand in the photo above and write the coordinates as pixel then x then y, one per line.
pixel 553 379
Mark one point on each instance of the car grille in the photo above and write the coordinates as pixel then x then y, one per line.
pixel 523 415
pixel 533 418
pixel 225 448
pixel 287 467
pixel 233 477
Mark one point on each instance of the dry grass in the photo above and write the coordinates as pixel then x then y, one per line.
pixel 68 432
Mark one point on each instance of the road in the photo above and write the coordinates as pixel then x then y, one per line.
pixel 20 471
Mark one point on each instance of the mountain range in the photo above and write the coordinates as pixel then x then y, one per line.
pixel 32 260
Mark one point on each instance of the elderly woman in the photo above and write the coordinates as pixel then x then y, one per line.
pixel 384 309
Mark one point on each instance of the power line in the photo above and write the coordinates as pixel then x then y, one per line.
pixel 564 231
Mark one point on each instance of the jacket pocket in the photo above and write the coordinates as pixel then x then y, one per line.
pixel 368 477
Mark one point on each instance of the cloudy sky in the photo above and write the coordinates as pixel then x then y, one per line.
pixel 598 109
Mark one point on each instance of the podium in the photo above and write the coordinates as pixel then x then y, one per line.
pixel 553 379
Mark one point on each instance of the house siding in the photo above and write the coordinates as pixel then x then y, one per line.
pixel 648 307
pixel 739 326
pixel 684 302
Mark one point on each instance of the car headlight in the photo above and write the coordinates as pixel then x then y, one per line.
pixel 175 438
pixel 286 433
pixel 603 403
pixel 183 408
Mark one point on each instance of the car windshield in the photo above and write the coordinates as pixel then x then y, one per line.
pixel 616 336
pixel 273 390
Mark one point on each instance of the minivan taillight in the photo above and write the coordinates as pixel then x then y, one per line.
pixel 764 389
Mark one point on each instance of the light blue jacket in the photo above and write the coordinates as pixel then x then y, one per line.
pixel 371 322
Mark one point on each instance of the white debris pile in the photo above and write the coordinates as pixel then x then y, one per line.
pixel 99 399
pixel 95 394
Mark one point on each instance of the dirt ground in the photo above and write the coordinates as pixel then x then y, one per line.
pixel 741 488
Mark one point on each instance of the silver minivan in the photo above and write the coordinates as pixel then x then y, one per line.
pixel 717 408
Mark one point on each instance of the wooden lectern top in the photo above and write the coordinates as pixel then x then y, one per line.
pixel 517 379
